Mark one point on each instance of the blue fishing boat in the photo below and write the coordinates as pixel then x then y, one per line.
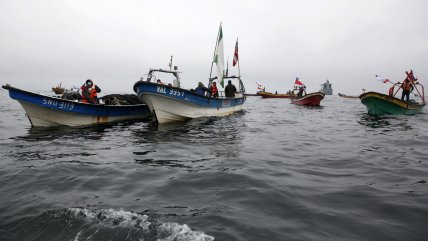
pixel 48 111
pixel 171 103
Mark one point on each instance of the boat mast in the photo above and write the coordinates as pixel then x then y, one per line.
pixel 215 51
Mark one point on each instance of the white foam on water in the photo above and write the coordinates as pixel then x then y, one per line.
pixel 115 217
pixel 77 236
pixel 166 231
pixel 179 232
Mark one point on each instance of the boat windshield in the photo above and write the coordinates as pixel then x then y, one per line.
pixel 166 77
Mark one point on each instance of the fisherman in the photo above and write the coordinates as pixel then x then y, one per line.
pixel 89 92
pixel 230 90
pixel 214 90
pixel 301 90
pixel 407 88
pixel 201 89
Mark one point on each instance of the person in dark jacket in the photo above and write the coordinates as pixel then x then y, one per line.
pixel 230 90
pixel 201 89
pixel 302 90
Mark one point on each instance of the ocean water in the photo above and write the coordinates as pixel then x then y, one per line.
pixel 274 171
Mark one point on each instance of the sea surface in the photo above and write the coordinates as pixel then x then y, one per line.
pixel 274 171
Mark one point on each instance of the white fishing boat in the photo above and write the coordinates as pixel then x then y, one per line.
pixel 171 103
pixel 49 111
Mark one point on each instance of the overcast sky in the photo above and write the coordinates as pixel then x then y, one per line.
pixel 45 42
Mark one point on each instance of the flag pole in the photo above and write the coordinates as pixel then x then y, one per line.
pixel 239 60
pixel 227 67
pixel 215 50
pixel 239 68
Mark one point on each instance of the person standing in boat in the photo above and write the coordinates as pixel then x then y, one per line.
pixel 407 88
pixel 89 92
pixel 230 90
pixel 201 89
pixel 301 90
pixel 214 90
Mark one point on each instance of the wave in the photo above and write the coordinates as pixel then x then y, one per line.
pixel 79 224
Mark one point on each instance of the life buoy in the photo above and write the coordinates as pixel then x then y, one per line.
pixel 391 91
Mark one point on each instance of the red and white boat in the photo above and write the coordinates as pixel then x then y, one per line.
pixel 312 99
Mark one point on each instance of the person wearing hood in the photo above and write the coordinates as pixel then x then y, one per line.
pixel 89 92
pixel 201 89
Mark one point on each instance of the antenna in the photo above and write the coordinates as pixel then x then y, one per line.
pixel 170 63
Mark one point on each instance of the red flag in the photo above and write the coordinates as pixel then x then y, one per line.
pixel 235 56
pixel 297 82
pixel 382 79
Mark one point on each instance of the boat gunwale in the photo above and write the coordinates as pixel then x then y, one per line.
pixel 186 91
pixel 9 87
pixel 392 100
pixel 296 98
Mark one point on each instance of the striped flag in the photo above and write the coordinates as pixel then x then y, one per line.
pixel 219 57
pixel 297 82
pixel 382 79
pixel 260 87
pixel 235 56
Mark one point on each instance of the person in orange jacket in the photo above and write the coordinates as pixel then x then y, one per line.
pixel 407 88
pixel 214 90
pixel 89 92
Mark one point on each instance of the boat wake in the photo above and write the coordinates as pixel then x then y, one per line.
pixel 79 224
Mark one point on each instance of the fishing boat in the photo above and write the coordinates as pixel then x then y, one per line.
pixel 326 88
pixel 49 111
pixel 348 96
pixel 276 95
pixel 302 98
pixel 171 103
pixel 311 99
pixel 381 104
pixel 256 94
pixel 58 89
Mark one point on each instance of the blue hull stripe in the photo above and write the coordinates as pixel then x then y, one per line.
pixel 185 95
pixel 76 107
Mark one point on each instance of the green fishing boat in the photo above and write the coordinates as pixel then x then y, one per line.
pixel 381 104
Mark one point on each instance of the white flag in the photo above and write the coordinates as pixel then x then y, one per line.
pixel 219 58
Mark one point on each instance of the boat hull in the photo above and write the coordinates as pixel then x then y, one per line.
pixel 47 111
pixel 381 104
pixel 348 96
pixel 312 99
pixel 271 95
pixel 171 104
